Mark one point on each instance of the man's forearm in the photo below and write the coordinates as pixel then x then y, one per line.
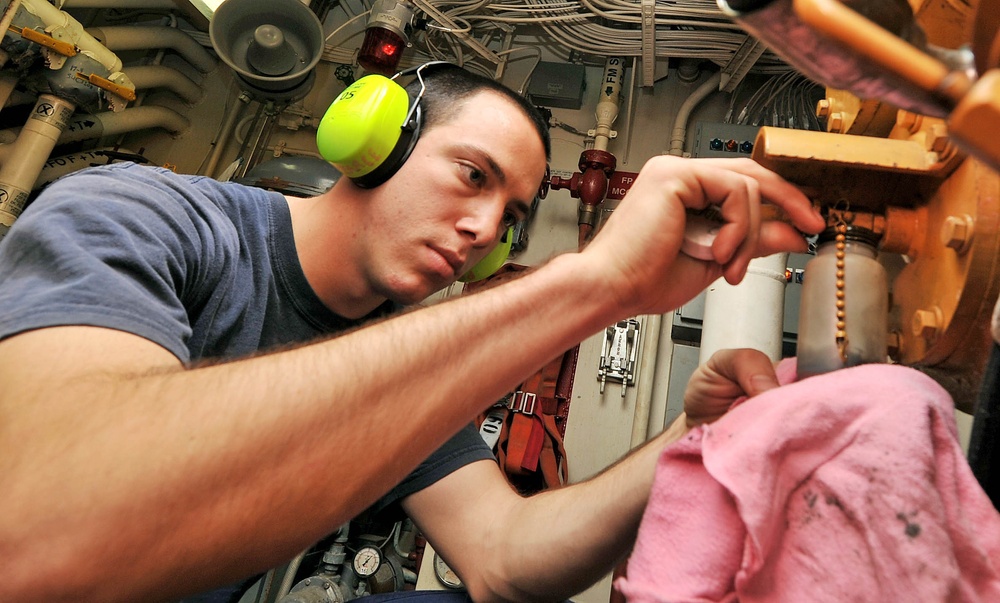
pixel 244 463
pixel 562 540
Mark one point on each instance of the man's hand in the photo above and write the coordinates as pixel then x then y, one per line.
pixel 727 376
pixel 637 252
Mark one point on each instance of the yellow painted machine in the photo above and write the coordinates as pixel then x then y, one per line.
pixel 911 154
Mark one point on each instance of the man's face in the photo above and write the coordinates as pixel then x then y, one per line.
pixel 466 181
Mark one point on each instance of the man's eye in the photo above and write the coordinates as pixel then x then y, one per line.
pixel 509 219
pixel 476 176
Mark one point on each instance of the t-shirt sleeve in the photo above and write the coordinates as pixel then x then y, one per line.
pixel 107 247
pixel 465 447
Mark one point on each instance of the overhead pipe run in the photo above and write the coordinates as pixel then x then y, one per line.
pixel 80 68
pixel 108 123
pixel 158 76
pixel 130 37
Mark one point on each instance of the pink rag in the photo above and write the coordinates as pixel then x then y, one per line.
pixel 849 486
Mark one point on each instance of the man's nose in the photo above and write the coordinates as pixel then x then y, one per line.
pixel 482 223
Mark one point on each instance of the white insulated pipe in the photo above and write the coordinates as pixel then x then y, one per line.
pixel 608 102
pixel 72 31
pixel 107 123
pixel 679 133
pixel 145 77
pixel 748 315
pixel 25 157
pixel 130 37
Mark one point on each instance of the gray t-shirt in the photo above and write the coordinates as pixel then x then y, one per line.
pixel 203 268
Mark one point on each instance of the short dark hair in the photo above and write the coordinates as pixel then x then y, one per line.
pixel 448 86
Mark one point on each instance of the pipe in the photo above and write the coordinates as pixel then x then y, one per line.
pixel 71 30
pixel 227 129
pixel 108 123
pixel 288 580
pixel 159 76
pixel 8 17
pixel 644 386
pixel 608 102
pixel 129 37
pixel 679 133
pixel 750 314
pixel 27 154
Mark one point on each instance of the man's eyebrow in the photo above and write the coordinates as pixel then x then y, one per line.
pixel 501 176
pixel 486 158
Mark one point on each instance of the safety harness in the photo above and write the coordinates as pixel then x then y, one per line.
pixel 526 428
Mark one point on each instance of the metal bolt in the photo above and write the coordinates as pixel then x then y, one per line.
pixel 836 123
pixel 823 107
pixel 957 231
pixel 927 323
pixel 937 139
pixel 910 121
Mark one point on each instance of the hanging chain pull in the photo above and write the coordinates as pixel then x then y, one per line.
pixel 841 247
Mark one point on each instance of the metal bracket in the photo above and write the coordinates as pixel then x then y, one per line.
pixel 619 354
pixel 743 60
pixel 648 43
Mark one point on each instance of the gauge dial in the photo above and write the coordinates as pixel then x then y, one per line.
pixel 445 574
pixel 367 561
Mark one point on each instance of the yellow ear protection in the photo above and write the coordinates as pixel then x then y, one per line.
pixel 493 260
pixel 370 129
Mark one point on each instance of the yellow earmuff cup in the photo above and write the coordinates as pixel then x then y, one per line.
pixel 493 260
pixel 362 125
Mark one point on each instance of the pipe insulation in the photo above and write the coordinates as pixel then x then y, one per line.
pixel 145 77
pixel 28 153
pixel 98 125
pixel 68 29
pixel 131 37
pixel 608 102
pixel 679 133
pixel 750 314
pixel 109 123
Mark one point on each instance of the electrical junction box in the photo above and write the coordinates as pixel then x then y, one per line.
pixel 723 140
pixel 557 85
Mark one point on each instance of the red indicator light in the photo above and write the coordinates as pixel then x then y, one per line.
pixel 381 51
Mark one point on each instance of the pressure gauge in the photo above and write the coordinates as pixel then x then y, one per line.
pixel 367 561
pixel 445 574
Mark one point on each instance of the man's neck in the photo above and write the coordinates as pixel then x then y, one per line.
pixel 322 227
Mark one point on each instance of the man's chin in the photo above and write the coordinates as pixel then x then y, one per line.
pixel 415 292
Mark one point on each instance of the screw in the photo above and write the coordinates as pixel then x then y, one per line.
pixel 957 231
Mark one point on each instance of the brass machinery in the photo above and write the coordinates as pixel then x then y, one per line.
pixel 928 186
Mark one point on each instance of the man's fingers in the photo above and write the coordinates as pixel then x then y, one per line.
pixel 750 368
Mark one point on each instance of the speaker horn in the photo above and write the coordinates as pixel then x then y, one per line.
pixel 271 45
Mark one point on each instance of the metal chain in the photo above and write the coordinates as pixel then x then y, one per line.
pixel 841 255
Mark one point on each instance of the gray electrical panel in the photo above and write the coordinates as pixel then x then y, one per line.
pixel 557 85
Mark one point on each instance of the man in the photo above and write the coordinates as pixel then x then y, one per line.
pixel 132 471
